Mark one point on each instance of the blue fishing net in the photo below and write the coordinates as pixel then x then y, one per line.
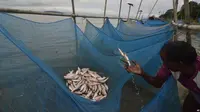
pixel 130 28
pixel 154 23
pixel 133 31
pixel 35 57
pixel 166 100
pixel 108 43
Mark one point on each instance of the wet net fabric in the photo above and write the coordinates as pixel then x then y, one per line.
pixel 108 43
pixel 133 31
pixel 131 28
pixel 167 96
pixel 154 23
pixel 35 57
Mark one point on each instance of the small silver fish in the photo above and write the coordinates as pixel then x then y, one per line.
pixel 103 79
pixel 87 84
pixel 78 92
pixel 106 87
pixel 103 90
pixel 89 94
pixel 125 57
pixel 85 69
pixel 98 98
pixel 83 88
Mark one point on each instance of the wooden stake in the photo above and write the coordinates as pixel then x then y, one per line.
pixel 138 10
pixel 187 19
pixel 120 7
pixel 130 5
pixel 73 11
pixel 105 11
pixel 175 18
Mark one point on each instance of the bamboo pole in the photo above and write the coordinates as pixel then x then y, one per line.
pixel 140 12
pixel 18 11
pixel 120 8
pixel 73 11
pixel 153 8
pixel 187 19
pixel 105 11
pixel 142 17
pixel 138 9
pixel 129 11
pixel 130 5
pixel 175 18
pixel 74 18
pixel 175 10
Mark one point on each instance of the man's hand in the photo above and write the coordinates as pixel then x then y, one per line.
pixel 136 69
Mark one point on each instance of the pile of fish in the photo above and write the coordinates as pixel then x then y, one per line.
pixel 87 83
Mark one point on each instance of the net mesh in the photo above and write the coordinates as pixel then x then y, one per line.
pixel 35 57
pixel 131 30
pixel 108 44
pixel 153 23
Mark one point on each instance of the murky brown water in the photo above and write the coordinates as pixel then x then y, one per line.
pixel 131 101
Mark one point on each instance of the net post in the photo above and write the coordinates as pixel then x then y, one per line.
pixel 175 3
pixel 187 20
pixel 120 8
pixel 73 11
pixel 140 12
pixel 75 27
pixel 105 11
pixel 152 8
pixel 130 5
pixel 138 9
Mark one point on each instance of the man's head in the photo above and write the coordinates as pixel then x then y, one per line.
pixel 178 55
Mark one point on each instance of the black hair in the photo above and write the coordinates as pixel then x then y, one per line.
pixel 180 52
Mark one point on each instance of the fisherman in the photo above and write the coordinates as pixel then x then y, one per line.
pixel 180 60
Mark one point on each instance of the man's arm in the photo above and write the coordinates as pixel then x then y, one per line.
pixel 159 79
pixel 154 81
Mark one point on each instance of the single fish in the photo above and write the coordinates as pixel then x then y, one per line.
pixel 98 98
pixel 103 92
pixel 83 88
pixel 106 87
pixel 85 69
pixel 102 80
pixel 88 95
pixel 125 57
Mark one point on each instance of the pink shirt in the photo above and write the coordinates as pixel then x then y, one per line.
pixel 193 84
